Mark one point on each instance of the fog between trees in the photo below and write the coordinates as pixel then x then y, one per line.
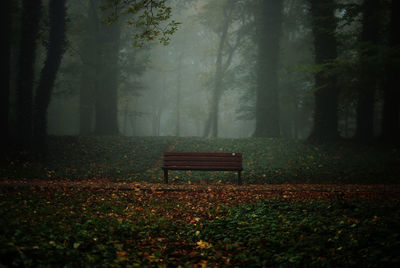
pixel 233 68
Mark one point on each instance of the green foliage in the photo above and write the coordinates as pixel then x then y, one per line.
pixel 87 157
pixel 283 161
pixel 316 233
pixel 147 16
pixel 118 228
pixel 75 229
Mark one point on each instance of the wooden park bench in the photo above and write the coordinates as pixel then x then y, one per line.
pixel 202 161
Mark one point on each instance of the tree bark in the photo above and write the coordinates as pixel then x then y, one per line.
pixel 31 12
pixel 269 30
pixel 217 92
pixel 391 107
pixel 86 103
pixel 326 91
pixel 55 51
pixel 5 92
pixel 88 52
pixel 179 96
pixel 106 87
pixel 368 77
pixel 212 121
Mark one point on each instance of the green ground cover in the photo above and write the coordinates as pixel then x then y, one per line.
pixel 56 228
pixel 284 161
pixel 199 226
pixel 264 160
pixel 76 158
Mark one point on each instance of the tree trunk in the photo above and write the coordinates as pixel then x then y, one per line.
pixel 132 120
pixel 391 106
pixel 5 92
pixel 368 77
pixel 161 107
pixel 125 122
pixel 215 106
pixel 89 56
pixel 55 51
pixel 212 121
pixel 207 125
pixel 326 91
pixel 86 103
pixel 178 97
pixel 269 29
pixel 365 111
pixel 106 88
pixel 217 92
pixel 31 12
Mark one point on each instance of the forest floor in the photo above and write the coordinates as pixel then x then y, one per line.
pixel 75 224
pixel 271 161
pixel 101 202
pixel 264 191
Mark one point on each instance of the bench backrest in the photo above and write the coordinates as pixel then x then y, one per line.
pixel 202 161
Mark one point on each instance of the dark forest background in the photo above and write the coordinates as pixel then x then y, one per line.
pixel 314 70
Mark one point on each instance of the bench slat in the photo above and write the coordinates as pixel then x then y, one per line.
pixel 206 159
pixel 195 154
pixel 201 163
pixel 210 168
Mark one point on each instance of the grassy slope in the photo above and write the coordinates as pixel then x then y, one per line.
pixel 116 228
pixel 265 160
pixel 283 161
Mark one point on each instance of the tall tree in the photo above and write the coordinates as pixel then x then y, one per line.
pixel 31 12
pixel 212 121
pixel 268 19
pixel 5 92
pixel 229 12
pixel 368 75
pixel 106 83
pixel 55 51
pixel 88 54
pixel 326 90
pixel 178 95
pixel 391 107
pixel 107 50
pixel 99 54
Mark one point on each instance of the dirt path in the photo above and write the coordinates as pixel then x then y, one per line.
pixel 313 191
pixel 158 163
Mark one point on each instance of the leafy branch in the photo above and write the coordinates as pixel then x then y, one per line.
pixel 147 16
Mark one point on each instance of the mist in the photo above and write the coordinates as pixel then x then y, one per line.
pixel 200 133
pixel 231 69
pixel 179 90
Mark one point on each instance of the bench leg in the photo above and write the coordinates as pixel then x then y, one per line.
pixel 166 176
pixel 239 177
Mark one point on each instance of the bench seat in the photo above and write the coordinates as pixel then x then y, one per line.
pixel 202 161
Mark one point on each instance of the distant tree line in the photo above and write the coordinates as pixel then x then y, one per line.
pixel 99 48
pixel 315 69
pixel 355 53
